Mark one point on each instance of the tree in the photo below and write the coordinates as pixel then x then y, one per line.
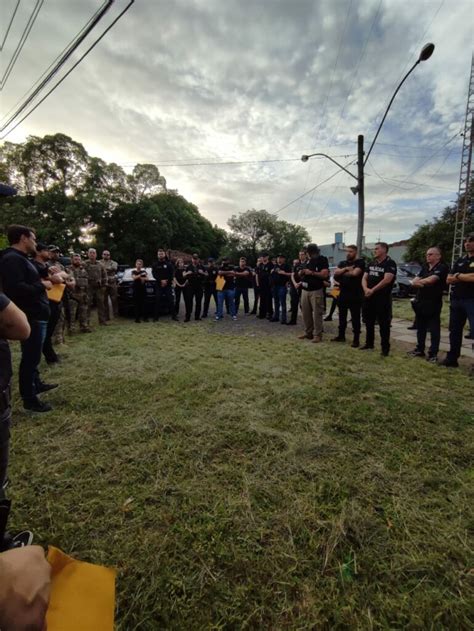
pixel 256 230
pixel 437 232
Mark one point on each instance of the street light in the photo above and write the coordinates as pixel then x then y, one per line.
pixel 425 54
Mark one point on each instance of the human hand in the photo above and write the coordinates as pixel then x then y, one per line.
pixel 452 279
pixel 48 284
pixel 25 577
pixel 368 293
pixel 164 283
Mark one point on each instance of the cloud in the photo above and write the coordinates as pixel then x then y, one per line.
pixel 202 80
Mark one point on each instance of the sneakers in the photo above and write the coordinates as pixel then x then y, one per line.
pixel 449 363
pixel 217 318
pixel 416 353
pixel 328 319
pixel 366 348
pixel 37 406
pixel 45 387
pixel 234 318
pixel 432 359
pixel 22 539
pixel 338 338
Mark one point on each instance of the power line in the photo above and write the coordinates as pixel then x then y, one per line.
pixel 10 25
pixel 165 164
pixel 21 43
pixel 60 60
pixel 312 189
pixel 71 69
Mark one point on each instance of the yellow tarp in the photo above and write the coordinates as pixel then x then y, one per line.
pixel 82 595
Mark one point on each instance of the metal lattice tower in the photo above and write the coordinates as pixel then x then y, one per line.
pixel 465 176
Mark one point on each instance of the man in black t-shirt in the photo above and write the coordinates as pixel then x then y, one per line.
pixel 281 274
pixel 263 272
pixel 23 285
pixel 349 276
pixel 243 280
pixel 313 277
pixel 227 293
pixel 210 286
pixel 195 274
pixel 163 272
pixel 139 278
pixel 377 283
pixel 461 307
pixel 295 285
pixel 430 283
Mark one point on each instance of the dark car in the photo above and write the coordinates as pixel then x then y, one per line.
pixel 403 284
pixel 125 294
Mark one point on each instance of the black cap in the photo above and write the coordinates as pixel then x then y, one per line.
pixel 264 254
pixel 40 247
pixel 210 260
pixel 53 248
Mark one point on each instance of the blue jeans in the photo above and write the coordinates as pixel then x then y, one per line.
pixel 279 294
pixel 226 294
pixel 30 359
pixel 460 310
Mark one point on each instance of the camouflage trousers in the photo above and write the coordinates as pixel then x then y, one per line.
pixel 96 297
pixel 79 306
pixel 110 291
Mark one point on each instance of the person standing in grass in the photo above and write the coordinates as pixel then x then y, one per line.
pixel 461 307
pixel 210 286
pixel 263 281
pixel 295 285
pixel 97 279
pixel 313 276
pixel 281 274
pixel 243 280
pixel 430 283
pixel 226 294
pixel 377 283
pixel 139 277
pixel 180 283
pixel 195 275
pixel 163 272
pixel 349 276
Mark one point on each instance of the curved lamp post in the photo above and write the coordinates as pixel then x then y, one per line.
pixel 425 54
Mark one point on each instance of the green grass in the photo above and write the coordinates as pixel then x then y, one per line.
pixel 402 309
pixel 239 478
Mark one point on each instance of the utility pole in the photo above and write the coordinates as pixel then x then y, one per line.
pixel 360 192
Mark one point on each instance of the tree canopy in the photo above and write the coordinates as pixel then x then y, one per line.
pixel 75 200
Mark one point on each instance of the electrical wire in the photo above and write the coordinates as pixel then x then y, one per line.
pixel 56 65
pixel 165 164
pixel 21 43
pixel 9 25
pixel 71 69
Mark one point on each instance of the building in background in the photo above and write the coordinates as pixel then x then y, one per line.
pixel 335 252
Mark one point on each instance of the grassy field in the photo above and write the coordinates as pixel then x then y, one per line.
pixel 239 478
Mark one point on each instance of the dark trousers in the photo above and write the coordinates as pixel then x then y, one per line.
pixel 334 304
pixel 193 294
pixel 208 293
pixel 48 350
pixel 178 292
pixel 354 307
pixel 139 298
pixel 460 311
pixel 256 297
pixel 163 296
pixel 265 308
pixel 378 309
pixel 244 292
pixel 431 323
pixel 5 420
pixel 30 360
pixel 295 295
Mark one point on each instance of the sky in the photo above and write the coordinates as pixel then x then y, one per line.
pixel 187 84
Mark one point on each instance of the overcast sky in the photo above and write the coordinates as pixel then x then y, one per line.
pixel 182 81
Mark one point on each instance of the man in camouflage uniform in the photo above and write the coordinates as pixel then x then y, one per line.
pixel 111 268
pixel 96 286
pixel 79 295
pixel 58 331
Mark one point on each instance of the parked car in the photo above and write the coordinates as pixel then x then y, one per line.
pixel 125 294
pixel 403 285
pixel 412 269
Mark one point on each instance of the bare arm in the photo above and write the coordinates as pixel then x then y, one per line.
pixel 364 282
pixel 13 323
pixel 386 280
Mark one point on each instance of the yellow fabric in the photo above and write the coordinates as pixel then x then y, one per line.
pixel 220 282
pixel 335 291
pixel 82 595
pixel 56 292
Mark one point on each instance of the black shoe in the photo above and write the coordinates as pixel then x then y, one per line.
pixel 385 353
pixel 137 321
pixel 155 319
pixel 328 319
pixel 45 387
pixel 338 338
pixel 285 322
pixel 416 353
pixel 22 539
pixel 366 348
pixel 412 328
pixel 204 315
pixel 175 318
pixel 291 323
pixel 37 406
pixel 469 336
pixel 53 360
pixel 432 359
pixel 187 319
pixel 449 363
pixel 355 344
pixel 198 319
pixel 146 320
